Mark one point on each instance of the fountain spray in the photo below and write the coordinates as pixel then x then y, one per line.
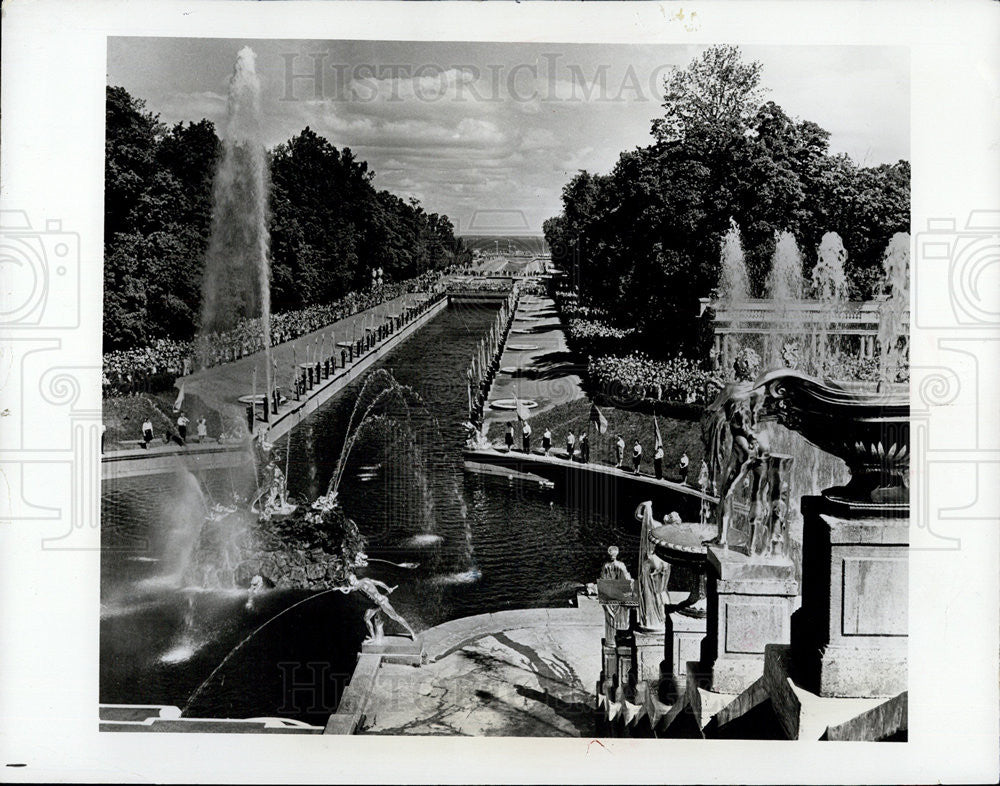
pixel 896 265
pixel 829 287
pixel 237 270
pixel 784 288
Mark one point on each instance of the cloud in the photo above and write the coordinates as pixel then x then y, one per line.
pixel 191 107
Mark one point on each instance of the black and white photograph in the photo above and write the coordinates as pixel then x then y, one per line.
pixel 512 385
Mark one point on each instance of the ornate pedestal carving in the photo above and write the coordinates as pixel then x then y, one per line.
pixel 750 603
pixel 852 629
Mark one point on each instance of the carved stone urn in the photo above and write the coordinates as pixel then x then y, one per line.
pixel 869 431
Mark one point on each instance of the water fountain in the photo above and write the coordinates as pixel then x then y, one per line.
pixel 848 639
pixel 829 288
pixel 784 288
pixel 237 269
pixel 896 271
pixel 781 444
pixel 734 284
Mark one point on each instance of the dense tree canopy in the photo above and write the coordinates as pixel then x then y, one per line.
pixel 329 225
pixel 642 242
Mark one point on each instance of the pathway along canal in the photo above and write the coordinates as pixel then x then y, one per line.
pixel 483 543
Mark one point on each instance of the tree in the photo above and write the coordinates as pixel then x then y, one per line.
pixel 643 241
pixel 711 100
pixel 329 227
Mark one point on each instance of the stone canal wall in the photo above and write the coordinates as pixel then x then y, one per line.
pixel 159 460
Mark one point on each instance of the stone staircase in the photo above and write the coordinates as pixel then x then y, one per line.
pixel 773 707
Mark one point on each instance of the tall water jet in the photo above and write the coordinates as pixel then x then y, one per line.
pixel 896 268
pixel 829 287
pixel 734 286
pixel 784 289
pixel 182 521
pixel 236 284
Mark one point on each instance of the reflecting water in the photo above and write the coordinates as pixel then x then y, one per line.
pixel 482 543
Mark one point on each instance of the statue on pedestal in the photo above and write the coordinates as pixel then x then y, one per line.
pixel 616 616
pixel 746 459
pixel 373 621
pixel 654 573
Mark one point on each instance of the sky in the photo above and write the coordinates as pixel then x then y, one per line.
pixel 488 133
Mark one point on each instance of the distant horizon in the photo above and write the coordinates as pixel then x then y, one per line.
pixel 489 133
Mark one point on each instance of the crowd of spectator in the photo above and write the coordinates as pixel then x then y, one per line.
pixel 150 368
pixel 637 376
pixel 480 285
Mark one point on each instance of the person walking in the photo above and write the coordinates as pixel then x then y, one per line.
pixel 508 437
pixel 202 430
pixel 684 462
pixel 658 462
pixel 636 457
pixel 182 427
pixel 584 449
pixel 546 441
pixel 147 432
pixel 570 445
pixel 526 437
pixel 619 451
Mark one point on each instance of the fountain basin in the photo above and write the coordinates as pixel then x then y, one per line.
pixel 522 347
pixel 511 404
pixel 683 546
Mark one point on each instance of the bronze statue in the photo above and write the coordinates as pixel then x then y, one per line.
pixel 370 588
pixel 745 459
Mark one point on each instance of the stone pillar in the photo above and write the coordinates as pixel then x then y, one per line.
pixel 626 665
pixel 851 633
pixel 750 604
pixel 649 649
pixel 682 643
pixel 609 661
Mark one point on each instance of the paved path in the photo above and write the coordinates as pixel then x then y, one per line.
pixel 221 386
pixel 549 374
pixel 529 673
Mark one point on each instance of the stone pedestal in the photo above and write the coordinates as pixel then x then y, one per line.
pixel 750 603
pixel 395 649
pixel 682 643
pixel 609 661
pixel 626 666
pixel 649 648
pixel 851 632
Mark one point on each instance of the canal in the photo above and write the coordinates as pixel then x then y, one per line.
pixel 482 543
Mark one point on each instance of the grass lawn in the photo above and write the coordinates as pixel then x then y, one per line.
pixel 123 417
pixel 679 435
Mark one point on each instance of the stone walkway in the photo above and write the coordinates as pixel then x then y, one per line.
pixel 529 673
pixel 549 374
pixel 222 385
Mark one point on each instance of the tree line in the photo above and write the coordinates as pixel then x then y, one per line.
pixel 642 242
pixel 329 225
